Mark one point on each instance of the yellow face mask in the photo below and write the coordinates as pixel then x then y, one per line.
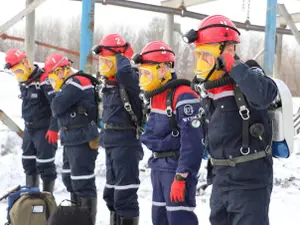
pixel 22 71
pixel 206 56
pixel 55 81
pixel 107 65
pixel 150 79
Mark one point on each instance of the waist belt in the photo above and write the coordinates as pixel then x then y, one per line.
pixel 32 122
pixel 165 155
pixel 109 126
pixel 76 126
pixel 241 159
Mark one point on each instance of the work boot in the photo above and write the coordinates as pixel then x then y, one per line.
pixel 128 221
pixel 48 185
pixel 113 218
pixel 91 204
pixel 32 180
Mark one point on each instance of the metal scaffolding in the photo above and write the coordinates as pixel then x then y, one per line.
pixel 274 25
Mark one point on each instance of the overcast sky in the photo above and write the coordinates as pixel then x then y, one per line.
pixel 110 15
pixel 107 16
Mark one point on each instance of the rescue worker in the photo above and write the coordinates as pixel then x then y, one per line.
pixel 122 114
pixel 76 110
pixel 41 131
pixel 173 133
pixel 239 132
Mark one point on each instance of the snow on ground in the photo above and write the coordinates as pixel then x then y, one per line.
pixel 285 203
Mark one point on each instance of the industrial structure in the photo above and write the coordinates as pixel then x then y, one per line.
pixel 277 18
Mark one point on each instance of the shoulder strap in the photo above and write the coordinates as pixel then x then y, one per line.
pixel 96 84
pixel 93 80
pixel 129 110
pixel 245 115
pixel 169 110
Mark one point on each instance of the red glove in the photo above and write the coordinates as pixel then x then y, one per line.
pixel 52 136
pixel 177 191
pixel 225 62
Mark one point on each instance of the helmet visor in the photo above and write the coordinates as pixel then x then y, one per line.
pixel 21 72
pixel 205 61
pixel 146 76
pixel 105 64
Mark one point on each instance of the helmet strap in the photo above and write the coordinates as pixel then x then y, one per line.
pixel 222 48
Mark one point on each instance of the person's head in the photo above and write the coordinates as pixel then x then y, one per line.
pixel 108 48
pixel 156 62
pixel 17 61
pixel 215 35
pixel 58 68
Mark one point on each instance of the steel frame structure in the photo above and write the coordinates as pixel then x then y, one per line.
pixel 274 26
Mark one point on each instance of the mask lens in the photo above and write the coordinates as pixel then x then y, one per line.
pixel 20 72
pixel 105 64
pixel 146 76
pixel 205 61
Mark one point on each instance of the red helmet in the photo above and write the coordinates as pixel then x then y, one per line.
pixel 112 44
pixel 155 52
pixel 214 29
pixel 54 61
pixel 13 57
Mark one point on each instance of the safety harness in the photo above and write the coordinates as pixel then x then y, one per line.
pixel 256 129
pixel 98 87
pixel 171 87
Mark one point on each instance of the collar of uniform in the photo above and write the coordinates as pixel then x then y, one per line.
pixel 221 92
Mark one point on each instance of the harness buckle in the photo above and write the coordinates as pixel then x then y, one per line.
pixel 73 114
pixel 244 112
pixel 127 106
pixel 245 152
pixel 169 111
pixel 37 85
pixel 175 133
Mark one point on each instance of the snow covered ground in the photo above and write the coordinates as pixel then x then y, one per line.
pixel 285 203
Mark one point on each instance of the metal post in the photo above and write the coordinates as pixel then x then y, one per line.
pixel 30 33
pixel 169 30
pixel 87 34
pixel 278 55
pixel 270 36
pixel 179 12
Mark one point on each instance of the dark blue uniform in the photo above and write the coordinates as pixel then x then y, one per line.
pixel 38 155
pixel 241 192
pixel 123 149
pixel 188 146
pixel 76 110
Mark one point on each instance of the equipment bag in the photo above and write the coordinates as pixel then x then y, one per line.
pixel 29 206
pixel 70 215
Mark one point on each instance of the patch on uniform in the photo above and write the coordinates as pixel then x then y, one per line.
pixel 34 95
pixel 188 110
pixel 195 123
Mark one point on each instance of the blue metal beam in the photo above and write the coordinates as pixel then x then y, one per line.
pixel 87 34
pixel 270 37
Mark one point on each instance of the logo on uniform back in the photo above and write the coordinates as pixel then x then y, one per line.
pixel 188 110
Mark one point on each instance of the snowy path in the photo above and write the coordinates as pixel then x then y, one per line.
pixel 284 209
